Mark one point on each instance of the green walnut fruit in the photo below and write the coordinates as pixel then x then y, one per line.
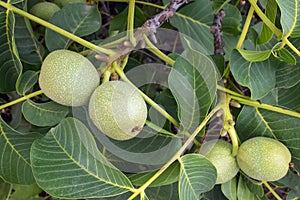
pixel 219 154
pixel 44 10
pixel 62 3
pixel 263 158
pixel 118 110
pixel 68 78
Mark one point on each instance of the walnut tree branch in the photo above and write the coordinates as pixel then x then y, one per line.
pixel 215 29
pixel 156 21
pixel 148 28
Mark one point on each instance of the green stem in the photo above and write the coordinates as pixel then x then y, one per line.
pixel 271 190
pixel 257 104
pixel 161 130
pixel 158 52
pixel 21 99
pixel 245 28
pixel 286 41
pixel 176 156
pixel 146 98
pixel 274 29
pixel 248 101
pixel 234 140
pixel 57 29
pixel 242 36
pixel 228 126
pixel 106 76
pixel 223 89
pixel 265 19
pixel 233 87
pixel 130 22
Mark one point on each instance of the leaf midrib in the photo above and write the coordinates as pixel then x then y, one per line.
pixel 12 146
pixel 185 174
pixel 77 27
pixel 43 109
pixel 192 20
pixel 85 169
pixel 265 122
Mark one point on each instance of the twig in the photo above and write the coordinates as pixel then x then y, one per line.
pixel 149 28
pixel 156 21
pixel 215 29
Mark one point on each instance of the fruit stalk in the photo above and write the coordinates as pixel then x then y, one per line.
pixel 130 22
pixel 146 98
pixel 158 52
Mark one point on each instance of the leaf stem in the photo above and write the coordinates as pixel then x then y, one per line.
pixel 57 29
pixel 265 19
pixel 146 98
pixel 274 29
pixel 176 156
pixel 245 28
pixel 130 22
pixel 229 123
pixel 158 52
pixel 286 41
pixel 271 190
pixel 161 130
pixel 242 36
pixel 21 99
pixel 250 102
pixel 221 88
pixel 257 104
pixel 234 140
pixel 106 76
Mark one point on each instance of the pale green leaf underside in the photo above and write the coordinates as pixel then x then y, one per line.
pixel 193 81
pixel 243 192
pixel 44 114
pixel 229 188
pixel 79 19
pixel 15 164
pixel 255 56
pixel 197 175
pixel 66 163
pixel 290 17
pixel 270 11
